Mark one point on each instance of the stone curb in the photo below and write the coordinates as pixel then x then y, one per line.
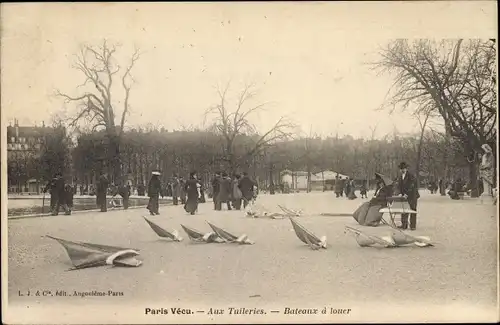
pixel 40 215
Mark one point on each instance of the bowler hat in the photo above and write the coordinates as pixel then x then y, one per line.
pixel 403 165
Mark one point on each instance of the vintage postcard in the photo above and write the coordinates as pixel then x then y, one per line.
pixel 270 162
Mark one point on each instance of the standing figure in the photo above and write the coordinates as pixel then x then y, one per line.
pixel 237 195
pixel 57 190
pixel 247 187
pixel 51 188
pixel 141 189
pixel 176 189
pixel 192 189
pixel 68 198
pixel 182 190
pixel 442 187
pixel 352 190
pixel 339 186
pixel 154 188
pixel 363 191
pixel 407 185
pixel 486 171
pixel 125 192
pixel 223 196
pixel 163 191
pixel 347 187
pixel 169 189
pixel 215 188
pixel 102 190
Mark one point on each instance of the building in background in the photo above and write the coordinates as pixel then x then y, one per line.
pixel 297 180
pixel 24 148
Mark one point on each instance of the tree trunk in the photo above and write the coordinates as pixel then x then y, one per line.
pixel 271 181
pixel 114 168
pixel 417 167
pixel 419 149
pixel 473 178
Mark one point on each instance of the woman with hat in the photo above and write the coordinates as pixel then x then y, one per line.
pixel 368 213
pixel 154 188
pixel 192 189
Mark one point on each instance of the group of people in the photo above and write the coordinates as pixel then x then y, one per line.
pixel 61 195
pixel 190 192
pixel 234 192
pixel 348 187
pixel 405 185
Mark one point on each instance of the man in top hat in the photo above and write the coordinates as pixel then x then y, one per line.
pixel 407 186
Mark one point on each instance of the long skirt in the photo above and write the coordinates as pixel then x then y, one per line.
pixel 367 215
pixel 191 205
pixel 154 204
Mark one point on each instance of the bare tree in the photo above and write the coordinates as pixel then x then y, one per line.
pixel 456 79
pixel 99 68
pixel 423 118
pixel 370 166
pixel 231 124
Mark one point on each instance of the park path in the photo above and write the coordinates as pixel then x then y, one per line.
pixel 278 269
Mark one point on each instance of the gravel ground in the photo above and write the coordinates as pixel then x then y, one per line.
pixel 277 270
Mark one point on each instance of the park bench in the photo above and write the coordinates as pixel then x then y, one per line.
pixel 397 205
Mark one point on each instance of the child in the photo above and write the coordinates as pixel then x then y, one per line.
pixel 362 191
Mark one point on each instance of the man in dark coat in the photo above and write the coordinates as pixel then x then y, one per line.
pixel 224 194
pixel 57 195
pixel 154 188
pixel 102 190
pixel 339 186
pixel 125 191
pixel 407 185
pixel 176 191
pixel 141 189
pixel 246 186
pixel 215 188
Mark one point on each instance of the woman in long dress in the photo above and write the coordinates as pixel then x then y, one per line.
pixel 352 190
pixel 154 188
pixel 236 195
pixel 192 189
pixel 368 213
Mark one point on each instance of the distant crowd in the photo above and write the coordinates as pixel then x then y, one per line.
pixel 233 192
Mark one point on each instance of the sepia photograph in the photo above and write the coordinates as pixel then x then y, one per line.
pixel 266 162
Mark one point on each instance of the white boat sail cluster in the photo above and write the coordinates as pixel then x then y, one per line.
pixel 84 255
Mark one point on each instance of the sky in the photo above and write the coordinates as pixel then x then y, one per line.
pixel 308 61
